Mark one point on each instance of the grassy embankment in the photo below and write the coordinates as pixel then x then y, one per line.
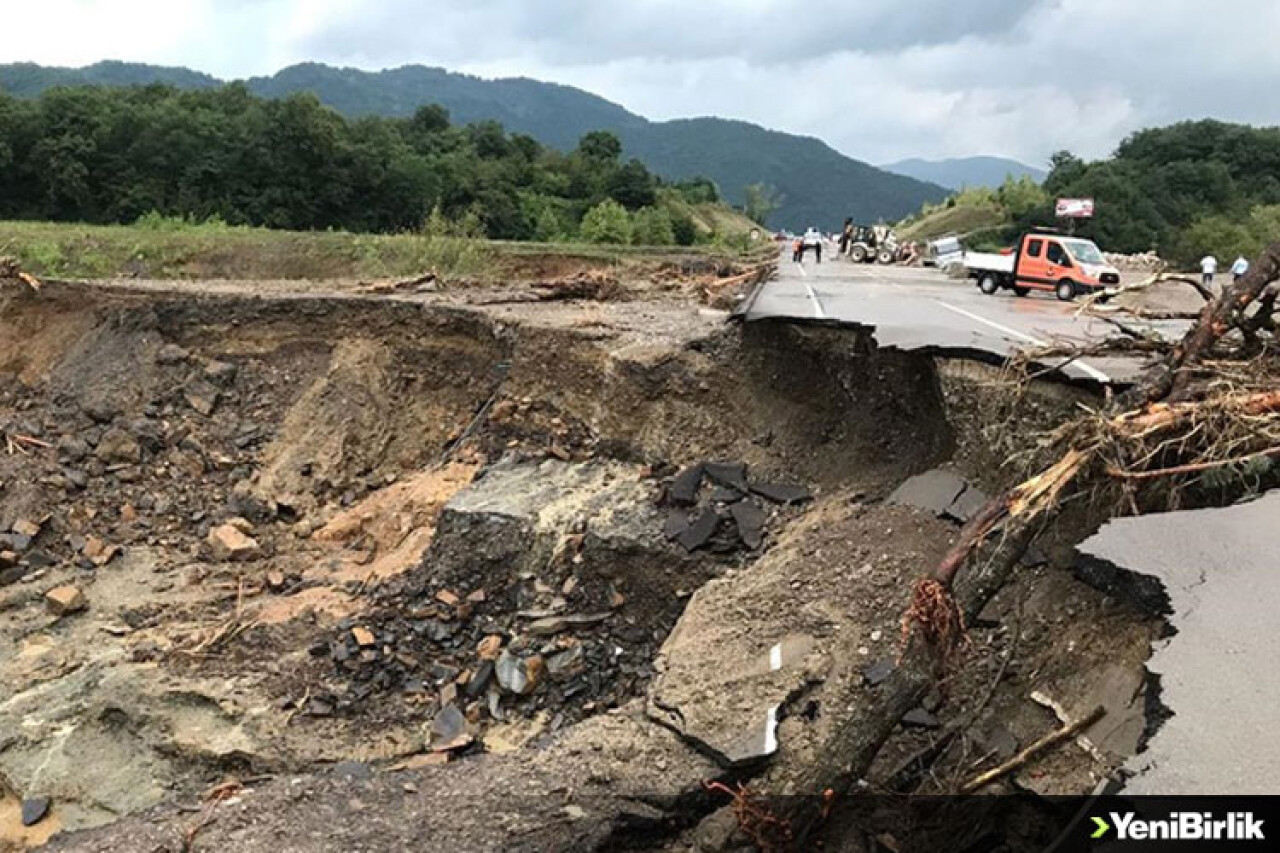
pixel 161 248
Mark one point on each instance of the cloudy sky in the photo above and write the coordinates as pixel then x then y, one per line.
pixel 878 79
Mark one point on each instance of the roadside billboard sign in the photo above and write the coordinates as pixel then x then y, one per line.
pixel 1074 208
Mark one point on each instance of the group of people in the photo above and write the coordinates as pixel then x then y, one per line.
pixel 1209 268
pixel 812 239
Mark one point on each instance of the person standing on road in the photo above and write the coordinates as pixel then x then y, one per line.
pixel 813 238
pixel 1239 268
pixel 1208 267
pixel 846 235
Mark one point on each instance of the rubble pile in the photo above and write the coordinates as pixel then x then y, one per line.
pixel 713 505
pixel 547 591
pixel 1148 262
pixel 102 473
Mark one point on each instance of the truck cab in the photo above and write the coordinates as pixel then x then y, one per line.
pixel 1045 260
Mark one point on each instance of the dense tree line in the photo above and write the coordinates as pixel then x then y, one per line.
pixel 1183 190
pixel 113 155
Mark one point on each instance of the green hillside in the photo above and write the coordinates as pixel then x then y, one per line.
pixel 813 183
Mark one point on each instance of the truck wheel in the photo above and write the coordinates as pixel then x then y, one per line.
pixel 1021 291
pixel 858 254
pixel 1066 290
pixel 989 285
pixel 885 257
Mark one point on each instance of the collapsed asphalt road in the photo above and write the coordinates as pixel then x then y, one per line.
pixel 533 614
pixel 919 309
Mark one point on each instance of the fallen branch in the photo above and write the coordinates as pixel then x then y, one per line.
pixel 1190 468
pixel 1045 743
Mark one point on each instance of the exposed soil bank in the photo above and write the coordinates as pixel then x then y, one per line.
pixel 437 495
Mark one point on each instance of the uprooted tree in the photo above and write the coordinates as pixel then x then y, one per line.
pixel 1211 403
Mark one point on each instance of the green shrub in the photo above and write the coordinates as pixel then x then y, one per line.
pixel 653 227
pixel 607 222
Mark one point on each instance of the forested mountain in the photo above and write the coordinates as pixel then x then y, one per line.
pixel 104 155
pixel 959 172
pixel 811 183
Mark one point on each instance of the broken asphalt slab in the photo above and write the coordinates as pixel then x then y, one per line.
pixel 1217 672
pixel 942 492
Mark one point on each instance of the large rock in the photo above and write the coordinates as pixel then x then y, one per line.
pixel 118 447
pixel 228 542
pixel 525 524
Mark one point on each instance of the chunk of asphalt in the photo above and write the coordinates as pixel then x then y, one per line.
pixel 725 495
pixel 683 488
pixel 677 523
pixel 780 493
pixel 35 809
pixel 732 475
pixel 919 718
pixel 701 531
pixel 750 520
pixel 934 490
pixel 966 505
pixel 878 671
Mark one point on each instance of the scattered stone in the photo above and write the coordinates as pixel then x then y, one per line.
pixel 444 596
pixel 878 671
pixel 99 552
pixel 221 372
pixel 26 528
pixel 275 580
pixel 72 448
pixel 117 447
pixel 8 559
pixel 476 686
pixel 352 770
pixel 701 531
pixel 171 354
pixel 229 543
pixel 490 647
pixel 920 718
pixel 65 600
pixel 519 675
pixel 566 663
pixel 35 809
pixel 449 730
pixel 201 396
pixel 364 637
pixel 101 411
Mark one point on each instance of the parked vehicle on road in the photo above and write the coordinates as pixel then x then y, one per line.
pixel 874 243
pixel 1044 260
pixel 943 252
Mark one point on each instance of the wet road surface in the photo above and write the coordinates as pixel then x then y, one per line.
pixel 919 308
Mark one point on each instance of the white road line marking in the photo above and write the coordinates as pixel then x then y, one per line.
pixel 1087 368
pixel 818 313
pixel 775 658
pixel 771 732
